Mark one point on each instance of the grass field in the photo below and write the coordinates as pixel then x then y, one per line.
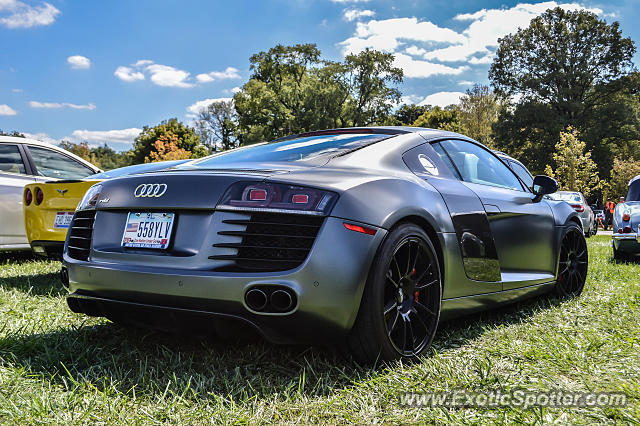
pixel 59 367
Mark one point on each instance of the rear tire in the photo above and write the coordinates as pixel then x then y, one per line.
pixel 573 263
pixel 400 306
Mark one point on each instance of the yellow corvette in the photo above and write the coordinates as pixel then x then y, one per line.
pixel 49 207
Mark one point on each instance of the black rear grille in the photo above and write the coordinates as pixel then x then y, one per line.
pixel 80 234
pixel 270 242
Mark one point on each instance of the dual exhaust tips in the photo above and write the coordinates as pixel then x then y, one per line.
pixel 270 299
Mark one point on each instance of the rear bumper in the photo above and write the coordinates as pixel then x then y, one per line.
pixel 328 287
pixel 627 243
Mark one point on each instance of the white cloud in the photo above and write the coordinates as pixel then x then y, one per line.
pixel 353 14
pixel 410 99
pixel 128 74
pixel 7 110
pixel 43 137
pixel 474 45
pixel 421 69
pixel 79 62
pixel 57 105
pixel 168 76
pixel 442 99
pixel 194 109
pixel 102 136
pixel 229 73
pixel 22 15
pixel 231 91
pixel 465 83
pixel 17 90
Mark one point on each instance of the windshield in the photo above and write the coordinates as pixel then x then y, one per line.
pixel 569 197
pixel 138 168
pixel 634 191
pixel 290 150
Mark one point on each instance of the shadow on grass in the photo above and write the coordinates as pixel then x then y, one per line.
pixel 114 358
pixel 27 277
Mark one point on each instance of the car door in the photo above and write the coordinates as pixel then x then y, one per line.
pixel 14 175
pixel 50 164
pixel 522 229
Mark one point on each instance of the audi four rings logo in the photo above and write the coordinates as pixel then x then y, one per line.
pixel 150 190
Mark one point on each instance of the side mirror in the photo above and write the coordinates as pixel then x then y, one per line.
pixel 543 185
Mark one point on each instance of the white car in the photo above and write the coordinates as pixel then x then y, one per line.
pixel 24 161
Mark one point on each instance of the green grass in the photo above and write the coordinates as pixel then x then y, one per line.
pixel 59 367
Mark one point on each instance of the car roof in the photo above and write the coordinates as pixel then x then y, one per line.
pixel 35 142
pixel 633 180
pixel 384 130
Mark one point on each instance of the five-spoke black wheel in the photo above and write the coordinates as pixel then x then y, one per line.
pixel 400 308
pixel 574 259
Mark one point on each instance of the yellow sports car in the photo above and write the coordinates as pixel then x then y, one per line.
pixel 48 207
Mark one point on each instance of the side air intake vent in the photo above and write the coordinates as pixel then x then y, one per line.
pixel 80 233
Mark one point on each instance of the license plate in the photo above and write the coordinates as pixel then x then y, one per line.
pixel 62 220
pixel 148 230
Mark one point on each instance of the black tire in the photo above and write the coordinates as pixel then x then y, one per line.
pixel 619 256
pixel 573 263
pixel 400 307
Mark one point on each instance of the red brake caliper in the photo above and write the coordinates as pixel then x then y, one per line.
pixel 417 293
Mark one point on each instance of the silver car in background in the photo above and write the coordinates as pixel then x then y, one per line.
pixel 580 205
pixel 24 161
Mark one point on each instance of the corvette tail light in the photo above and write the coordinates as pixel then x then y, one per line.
pixel 578 207
pixel 39 196
pixel 277 198
pixel 627 230
pixel 28 197
pixel 358 228
pixel 626 217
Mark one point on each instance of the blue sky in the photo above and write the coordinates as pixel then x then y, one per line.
pixel 99 71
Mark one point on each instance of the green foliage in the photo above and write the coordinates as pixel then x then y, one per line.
pixel 293 90
pixel 479 109
pixel 440 118
pixel 217 127
pixel 14 133
pixel 187 139
pixel 624 169
pixel 567 68
pixel 102 156
pixel 574 168
pixel 407 114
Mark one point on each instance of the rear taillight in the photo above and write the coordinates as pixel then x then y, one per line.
pixel 277 197
pixel 578 207
pixel 28 197
pixel 39 196
pixel 619 231
pixel 627 230
pixel 626 217
pixel 358 228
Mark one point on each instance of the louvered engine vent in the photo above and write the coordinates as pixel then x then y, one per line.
pixel 80 234
pixel 270 242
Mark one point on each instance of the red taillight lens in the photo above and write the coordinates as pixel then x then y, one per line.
pixel 626 217
pixel 277 197
pixel 358 228
pixel 627 230
pixel 619 231
pixel 39 196
pixel 578 207
pixel 28 197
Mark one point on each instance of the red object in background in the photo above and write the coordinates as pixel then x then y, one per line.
pixel 626 217
pixel 39 196
pixel 578 207
pixel 28 197
pixel 258 195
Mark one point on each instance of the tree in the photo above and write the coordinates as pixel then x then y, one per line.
pixel 407 114
pixel 217 125
pixel 370 74
pixel 166 148
pixel 623 171
pixel 14 133
pixel 186 139
pixel 565 69
pixel 440 118
pixel 81 149
pixel 575 170
pixel 479 109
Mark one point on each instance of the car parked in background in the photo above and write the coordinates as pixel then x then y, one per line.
pixel 626 223
pixel 366 237
pixel 24 161
pixel 49 206
pixel 579 203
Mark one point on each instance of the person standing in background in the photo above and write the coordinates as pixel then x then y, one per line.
pixel 609 207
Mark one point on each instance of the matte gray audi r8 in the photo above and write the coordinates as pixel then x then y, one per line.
pixel 366 237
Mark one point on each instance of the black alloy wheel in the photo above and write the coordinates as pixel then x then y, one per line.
pixel 400 307
pixel 573 264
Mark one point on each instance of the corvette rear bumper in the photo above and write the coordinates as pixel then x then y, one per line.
pixel 328 287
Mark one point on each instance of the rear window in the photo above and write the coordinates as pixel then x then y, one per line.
pixel 569 198
pixel 634 191
pixel 301 149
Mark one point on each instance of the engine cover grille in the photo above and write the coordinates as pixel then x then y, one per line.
pixel 80 233
pixel 270 242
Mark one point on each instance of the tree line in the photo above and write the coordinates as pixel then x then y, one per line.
pixel 563 98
